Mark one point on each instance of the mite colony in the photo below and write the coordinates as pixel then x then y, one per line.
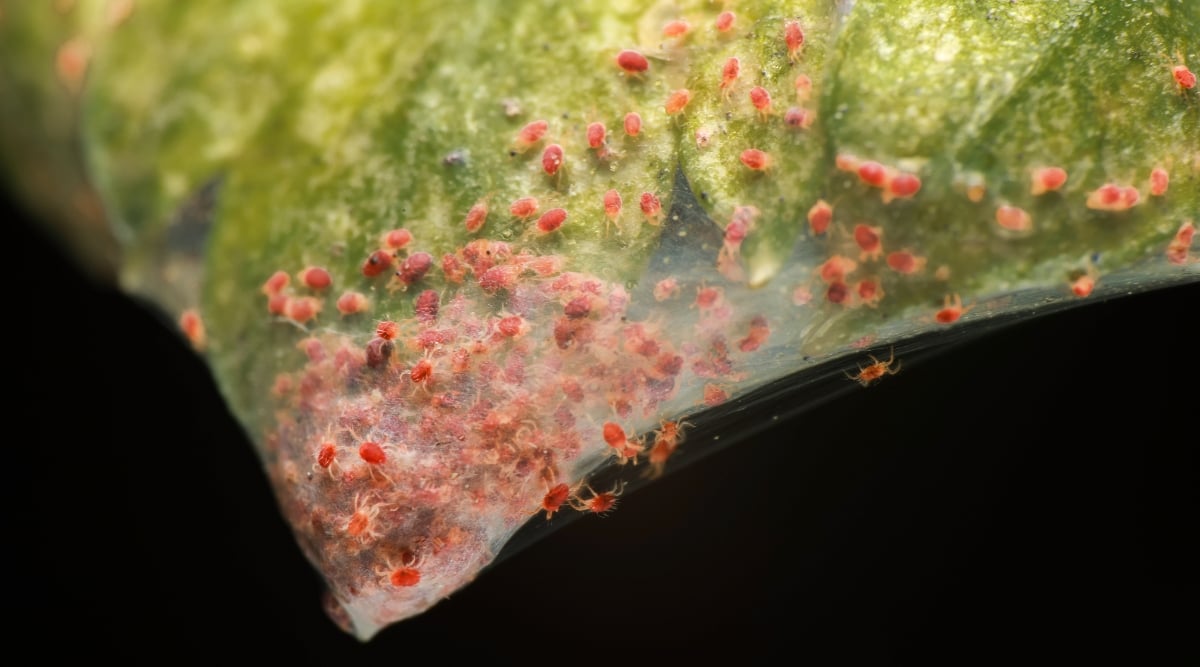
pixel 476 382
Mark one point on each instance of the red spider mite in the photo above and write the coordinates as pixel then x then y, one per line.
pixel 532 133
pixel 277 304
pixel 761 99
pixel 350 303
pixel 524 207
pixel 378 262
pixel 425 306
pixel 302 309
pixel 1083 285
pixel 551 220
pixel 836 268
pixel 869 292
pixel 596 134
pixel 397 238
pixel 552 159
pixel 555 498
pixel 729 73
pixel 725 21
pixel 476 216
pixel 803 86
pixel 1181 243
pixel 372 453
pixel 193 328
pixel 714 395
pixel 1184 77
pixel 405 576
pixel 414 267
pixel 872 173
pixel 952 310
pixel 1160 180
pixel 633 123
pixel 422 371
pixel 612 206
pixel 665 289
pixel 633 62
pixel 676 28
pixel 326 455
pixel 793 36
pixel 315 277
pixel 677 101
pixel 837 292
pixel 904 185
pixel 903 261
pixel 1014 219
pixel 511 326
pixel 651 206
pixel 597 503
pixel 1112 197
pixel 387 330
pixel 759 332
pixel 819 217
pixel 868 238
pixel 1047 179
pixel 755 159
pixel 798 117
pixel 875 370
pixel 276 283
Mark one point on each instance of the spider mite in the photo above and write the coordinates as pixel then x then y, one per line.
pixel 612 209
pixel 729 74
pixel 676 28
pixel 531 134
pixel 666 289
pixel 1014 219
pixel 476 216
pixel 378 351
pixel 397 238
pixel 421 372
pixel 803 87
pixel 315 277
pixel 1177 249
pixel 1112 197
pixel 756 160
pixel 408 574
pixel 376 263
pixel 524 207
pixel 596 134
pixel 1159 181
pixel 372 453
pixel 425 307
pixel 276 283
pixel 1184 77
pixel 666 440
pixel 952 309
pixel 819 217
pixel 869 239
pixel 414 267
pixel 632 62
pixel 872 173
pixel 551 220
pixel 651 207
pixel 798 118
pixel 633 123
pixel 193 328
pixel 677 101
pixel 326 455
pixel 624 448
pixel 901 186
pixel 554 499
pixel 597 503
pixel 875 370
pixel 552 159
pixel 725 21
pixel 869 292
pixel 837 292
pixel 793 36
pixel 903 261
pixel 836 268
pixel 302 309
pixel 362 524
pixel 1083 285
pixel 761 100
pixel 1047 179
pixel 759 332
pixel 714 395
pixel 350 303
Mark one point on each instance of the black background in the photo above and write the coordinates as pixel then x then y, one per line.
pixel 1030 495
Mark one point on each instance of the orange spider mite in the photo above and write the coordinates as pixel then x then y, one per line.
pixel 876 370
